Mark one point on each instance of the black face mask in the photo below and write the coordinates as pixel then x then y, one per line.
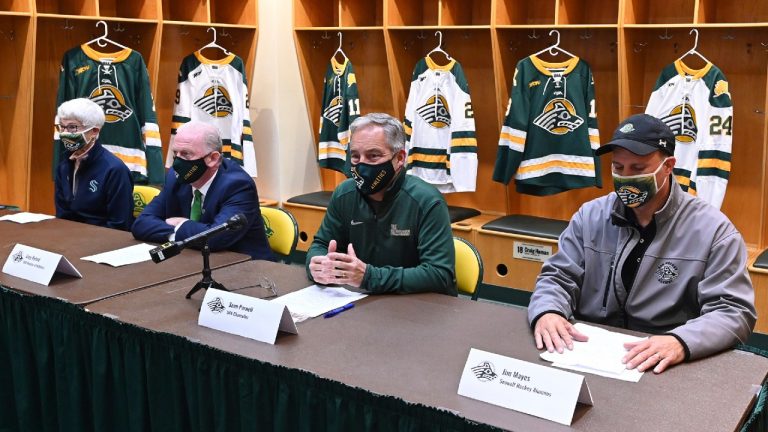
pixel 370 179
pixel 189 171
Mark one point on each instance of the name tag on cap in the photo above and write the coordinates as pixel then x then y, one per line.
pixel 522 386
pixel 245 316
pixel 37 265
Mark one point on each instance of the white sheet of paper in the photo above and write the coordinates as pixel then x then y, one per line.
pixel 245 316
pixel 315 300
pixel 523 386
pixel 25 217
pixel 120 257
pixel 600 355
pixel 37 265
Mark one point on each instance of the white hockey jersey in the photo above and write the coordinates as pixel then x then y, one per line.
pixel 440 127
pixel 696 105
pixel 216 92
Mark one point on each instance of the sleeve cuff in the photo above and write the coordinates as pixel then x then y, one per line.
pixel 685 346
pixel 533 321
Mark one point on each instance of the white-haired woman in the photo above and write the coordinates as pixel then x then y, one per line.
pixel 92 185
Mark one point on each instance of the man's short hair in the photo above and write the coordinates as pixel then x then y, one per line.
pixel 84 110
pixel 208 133
pixel 392 127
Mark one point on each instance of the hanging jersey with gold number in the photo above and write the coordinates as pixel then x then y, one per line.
pixel 440 127
pixel 341 106
pixel 549 136
pixel 119 83
pixel 696 105
pixel 216 92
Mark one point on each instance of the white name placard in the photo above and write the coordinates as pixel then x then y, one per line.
pixel 37 265
pixel 245 316
pixel 522 386
pixel 530 251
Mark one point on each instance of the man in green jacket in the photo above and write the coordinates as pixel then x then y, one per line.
pixel 384 231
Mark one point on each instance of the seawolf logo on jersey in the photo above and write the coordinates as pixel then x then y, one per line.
pixel 216 102
pixel 112 102
pixel 333 111
pixel 435 112
pixel 559 117
pixel 682 121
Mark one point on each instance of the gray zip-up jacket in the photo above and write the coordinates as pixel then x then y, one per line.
pixel 692 282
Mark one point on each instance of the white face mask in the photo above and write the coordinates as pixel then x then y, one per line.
pixel 637 190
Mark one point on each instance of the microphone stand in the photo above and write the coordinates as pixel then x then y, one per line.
pixel 207 280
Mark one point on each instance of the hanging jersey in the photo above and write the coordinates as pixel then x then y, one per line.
pixel 216 92
pixel 341 106
pixel 549 136
pixel 696 105
pixel 440 127
pixel 119 83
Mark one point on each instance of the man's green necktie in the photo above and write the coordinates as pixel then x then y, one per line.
pixel 197 206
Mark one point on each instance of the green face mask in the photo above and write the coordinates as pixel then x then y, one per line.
pixel 189 171
pixel 74 141
pixel 637 190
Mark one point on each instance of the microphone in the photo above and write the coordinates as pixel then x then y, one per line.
pixel 172 248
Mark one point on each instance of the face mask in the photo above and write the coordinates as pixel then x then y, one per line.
pixel 637 190
pixel 74 141
pixel 370 179
pixel 189 171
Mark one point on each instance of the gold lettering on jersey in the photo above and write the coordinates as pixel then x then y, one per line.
pixel 559 117
pixel 534 83
pixel 435 112
pixel 216 102
pixel 82 69
pixel 112 101
pixel 682 120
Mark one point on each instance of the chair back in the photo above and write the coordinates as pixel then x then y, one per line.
pixel 281 229
pixel 142 195
pixel 469 267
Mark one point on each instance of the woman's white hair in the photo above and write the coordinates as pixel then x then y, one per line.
pixel 86 111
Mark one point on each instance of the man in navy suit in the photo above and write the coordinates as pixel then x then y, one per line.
pixel 202 191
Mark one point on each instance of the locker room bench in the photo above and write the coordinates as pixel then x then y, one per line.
pixel 309 210
pixel 514 247
pixel 758 271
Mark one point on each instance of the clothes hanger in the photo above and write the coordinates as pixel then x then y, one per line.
pixel 438 48
pixel 103 39
pixel 213 43
pixel 340 51
pixel 553 49
pixel 693 50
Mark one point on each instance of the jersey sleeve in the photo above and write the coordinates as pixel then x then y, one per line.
pixel 150 131
pixel 714 162
pixel 594 132
pixel 65 92
pixel 463 150
pixel 410 106
pixel 514 131
pixel 350 112
pixel 181 108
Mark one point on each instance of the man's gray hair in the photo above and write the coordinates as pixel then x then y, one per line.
pixel 208 133
pixel 84 110
pixel 392 127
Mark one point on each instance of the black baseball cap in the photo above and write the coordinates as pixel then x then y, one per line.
pixel 641 134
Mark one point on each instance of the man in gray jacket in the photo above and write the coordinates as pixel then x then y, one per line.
pixel 649 257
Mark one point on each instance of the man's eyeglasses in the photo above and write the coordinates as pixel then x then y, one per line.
pixel 71 128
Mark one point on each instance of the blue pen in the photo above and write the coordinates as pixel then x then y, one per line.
pixel 338 310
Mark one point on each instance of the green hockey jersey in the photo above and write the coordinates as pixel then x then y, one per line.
pixel 341 106
pixel 550 135
pixel 216 92
pixel 119 83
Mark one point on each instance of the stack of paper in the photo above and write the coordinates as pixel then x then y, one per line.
pixel 25 217
pixel 315 300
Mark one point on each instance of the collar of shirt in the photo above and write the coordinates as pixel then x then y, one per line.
pixel 204 188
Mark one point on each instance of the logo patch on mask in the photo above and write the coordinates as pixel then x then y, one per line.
pixel 435 112
pixel 559 117
pixel 112 101
pixel 631 195
pixel 682 121
pixel 216 102
pixel 667 272
pixel 395 232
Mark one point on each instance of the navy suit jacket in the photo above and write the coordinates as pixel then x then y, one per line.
pixel 232 191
